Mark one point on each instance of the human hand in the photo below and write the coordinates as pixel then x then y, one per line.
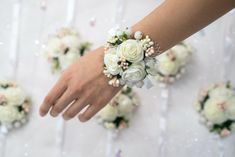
pixel 82 84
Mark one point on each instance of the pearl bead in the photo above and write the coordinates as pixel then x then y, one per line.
pixel 138 35
pixel 182 70
pixel 128 31
pixel 177 76
pixel 151 43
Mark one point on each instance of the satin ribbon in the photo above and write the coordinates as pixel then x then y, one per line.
pixel 163 120
pixel 61 127
pixel 220 144
pixel 71 8
pixel 14 49
pixel 3 140
pixel 60 137
pixel 111 137
pixel 228 44
pixel 2 144
pixel 228 54
pixel 14 61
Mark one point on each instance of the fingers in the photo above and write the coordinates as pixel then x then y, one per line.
pixel 90 112
pixel 75 108
pixel 53 95
pixel 97 104
pixel 65 100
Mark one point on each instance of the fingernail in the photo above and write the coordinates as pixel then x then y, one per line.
pixel 81 119
pixel 66 118
pixel 41 113
pixel 54 114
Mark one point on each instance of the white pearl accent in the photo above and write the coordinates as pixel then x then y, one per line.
pixel 128 31
pixel 138 35
pixel 151 43
pixel 178 76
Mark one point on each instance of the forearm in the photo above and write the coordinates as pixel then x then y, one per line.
pixel 175 20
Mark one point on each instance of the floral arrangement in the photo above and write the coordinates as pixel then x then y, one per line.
pixel 171 64
pixel 116 114
pixel 63 48
pixel 127 60
pixel 14 105
pixel 216 105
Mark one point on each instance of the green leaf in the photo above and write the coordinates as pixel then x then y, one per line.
pixel 84 47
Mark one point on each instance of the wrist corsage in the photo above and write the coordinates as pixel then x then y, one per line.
pixel 171 64
pixel 128 61
pixel 63 48
pixel 117 113
pixel 14 106
pixel 216 105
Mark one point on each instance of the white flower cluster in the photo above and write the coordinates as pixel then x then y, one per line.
pixel 171 64
pixel 14 105
pixel 117 113
pixel 216 105
pixel 127 61
pixel 64 48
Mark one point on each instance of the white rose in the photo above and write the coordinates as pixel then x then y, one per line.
pixel 14 96
pixel 151 64
pixel 221 92
pixel 231 107
pixel 53 47
pixel 197 106
pixel 167 66
pixel 227 96
pixel 232 127
pixel 66 31
pixel 2 98
pixel 109 125
pixel 125 105
pixel 9 114
pixel 131 50
pixel 213 111
pixel 182 53
pixel 67 59
pixel 111 61
pixel 134 74
pixel 71 41
pixel 108 113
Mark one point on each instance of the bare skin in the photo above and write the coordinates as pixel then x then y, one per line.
pixel 83 83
